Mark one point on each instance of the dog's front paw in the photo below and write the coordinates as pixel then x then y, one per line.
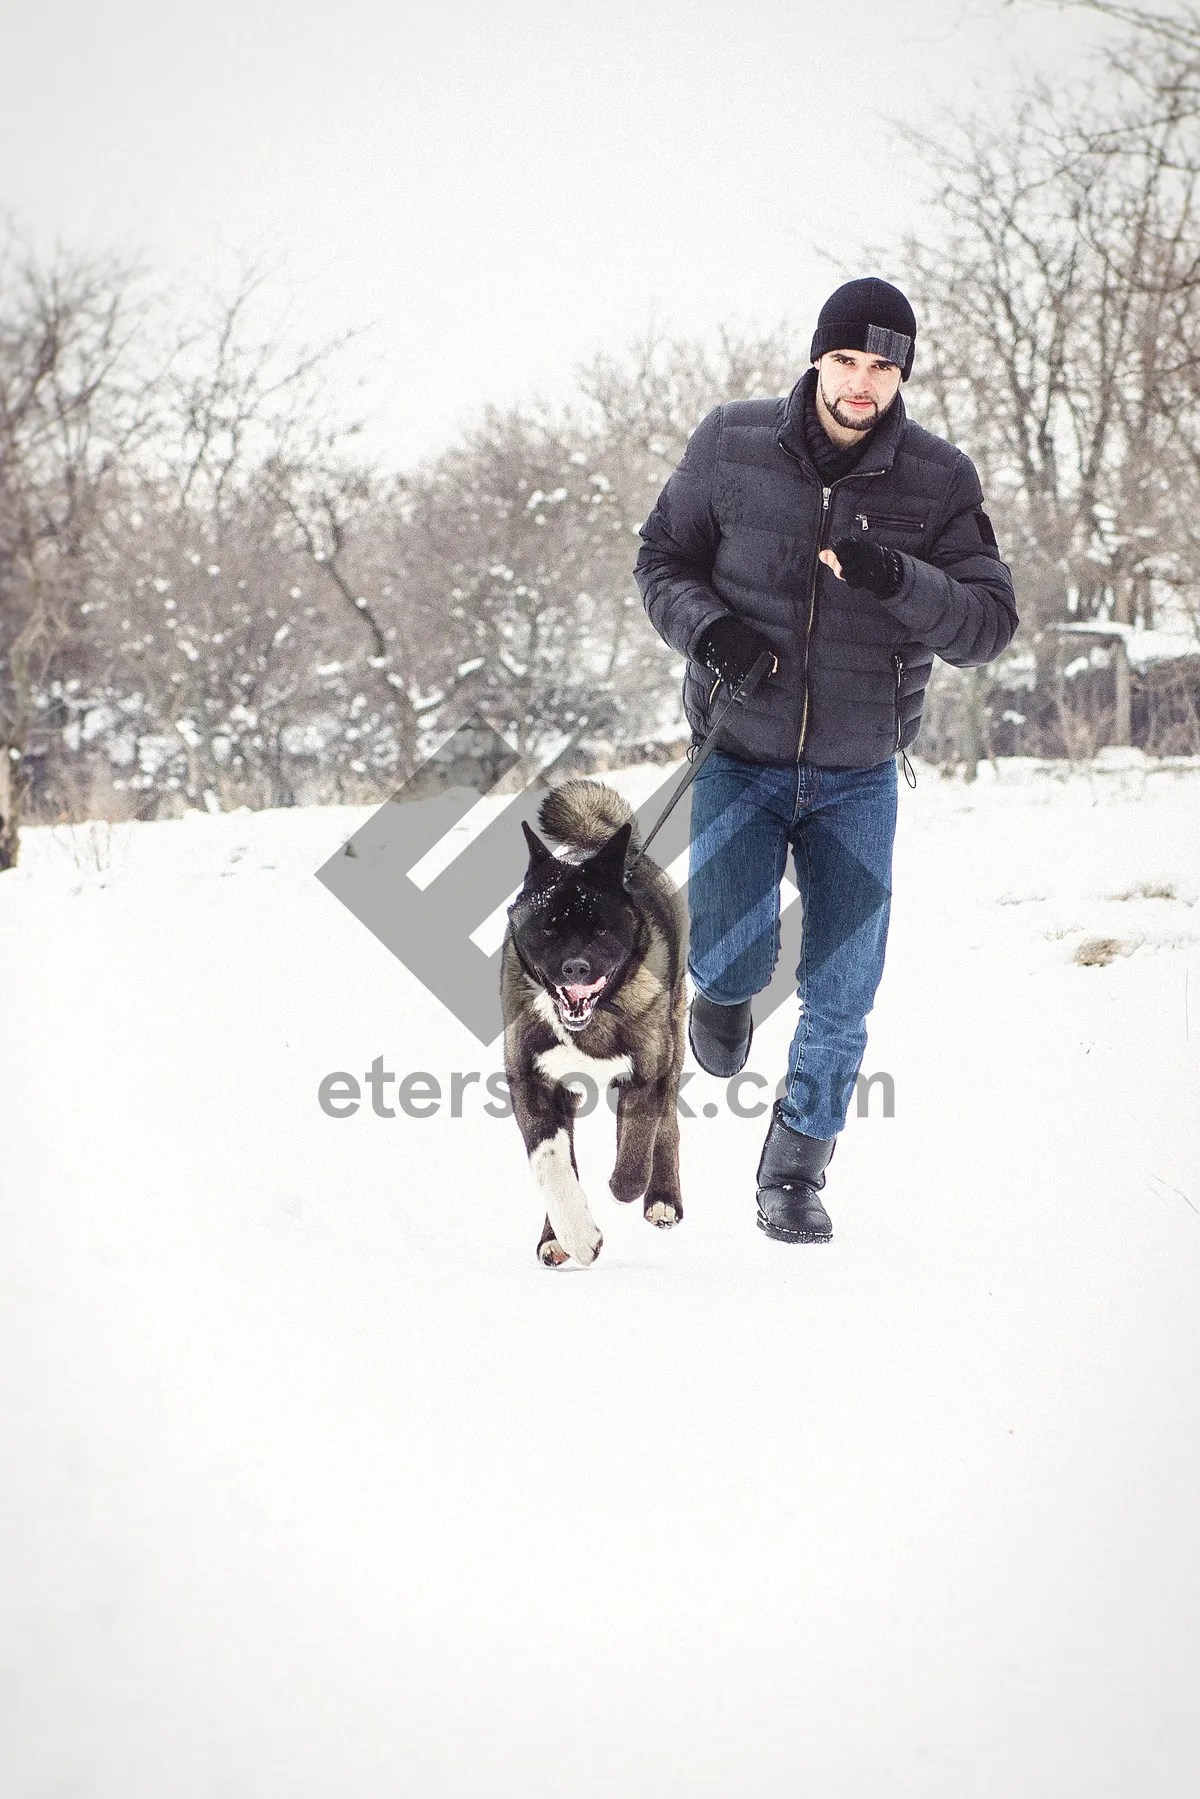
pixel 628 1184
pixel 551 1254
pixel 590 1249
pixel 662 1212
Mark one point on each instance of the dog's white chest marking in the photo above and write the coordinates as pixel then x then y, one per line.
pixel 565 1202
pixel 566 1059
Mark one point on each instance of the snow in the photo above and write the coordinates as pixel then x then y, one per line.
pixel 316 1482
pixel 1144 644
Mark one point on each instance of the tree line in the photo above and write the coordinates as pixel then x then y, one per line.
pixel 211 595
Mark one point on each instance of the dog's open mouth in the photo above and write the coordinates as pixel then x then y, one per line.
pixel 575 1004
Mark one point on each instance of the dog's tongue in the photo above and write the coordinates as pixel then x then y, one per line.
pixel 575 994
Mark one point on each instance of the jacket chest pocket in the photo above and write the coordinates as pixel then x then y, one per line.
pixel 890 524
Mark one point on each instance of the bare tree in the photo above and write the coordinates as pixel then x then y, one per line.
pixel 1055 312
pixel 70 411
pixel 234 392
pixel 1177 31
pixel 652 397
pixel 508 538
pixel 346 521
pixel 219 648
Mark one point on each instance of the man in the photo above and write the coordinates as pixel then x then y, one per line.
pixel 831 530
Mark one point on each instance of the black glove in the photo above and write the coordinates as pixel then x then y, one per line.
pixel 730 648
pixel 871 565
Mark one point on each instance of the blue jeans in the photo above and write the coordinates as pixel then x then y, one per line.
pixel 839 824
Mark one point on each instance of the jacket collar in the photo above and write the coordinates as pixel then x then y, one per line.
pixel 880 452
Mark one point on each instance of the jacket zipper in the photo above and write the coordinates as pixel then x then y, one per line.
pixel 884 519
pixel 864 475
pixel 898 664
pixel 812 607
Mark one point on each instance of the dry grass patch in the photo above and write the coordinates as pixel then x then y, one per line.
pixel 1097 952
pixel 1148 890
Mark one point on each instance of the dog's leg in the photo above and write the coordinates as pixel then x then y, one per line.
pixel 663 1204
pixel 638 1106
pixel 545 1112
pixel 553 1164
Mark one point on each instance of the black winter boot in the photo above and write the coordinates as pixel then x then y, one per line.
pixel 791 1174
pixel 719 1035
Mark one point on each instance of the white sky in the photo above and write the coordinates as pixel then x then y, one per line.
pixel 498 189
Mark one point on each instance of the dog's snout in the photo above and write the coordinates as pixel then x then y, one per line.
pixel 576 969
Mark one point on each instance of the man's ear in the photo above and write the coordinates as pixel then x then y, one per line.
pixel 609 860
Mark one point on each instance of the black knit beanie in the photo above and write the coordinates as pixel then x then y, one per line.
pixel 869 315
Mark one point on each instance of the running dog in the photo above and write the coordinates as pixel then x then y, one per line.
pixel 592 983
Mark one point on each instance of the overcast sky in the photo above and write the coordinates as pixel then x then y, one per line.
pixel 502 188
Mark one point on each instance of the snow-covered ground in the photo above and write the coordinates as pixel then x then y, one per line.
pixel 315 1483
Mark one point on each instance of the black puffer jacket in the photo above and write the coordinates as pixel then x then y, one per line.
pixel 737 529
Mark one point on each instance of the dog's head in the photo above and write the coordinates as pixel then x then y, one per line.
pixel 574 924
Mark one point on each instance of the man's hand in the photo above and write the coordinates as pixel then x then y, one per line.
pixel 871 565
pixel 730 648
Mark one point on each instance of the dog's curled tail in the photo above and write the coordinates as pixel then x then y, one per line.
pixel 584 814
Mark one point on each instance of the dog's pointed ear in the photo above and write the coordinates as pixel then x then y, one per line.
pixel 537 849
pixel 609 860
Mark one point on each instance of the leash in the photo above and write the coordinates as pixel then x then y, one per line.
pixel 766 664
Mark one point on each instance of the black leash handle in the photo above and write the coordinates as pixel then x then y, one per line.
pixel 766 664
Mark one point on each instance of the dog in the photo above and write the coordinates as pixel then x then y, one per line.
pixel 592 983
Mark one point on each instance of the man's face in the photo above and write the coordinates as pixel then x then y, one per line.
pixel 857 388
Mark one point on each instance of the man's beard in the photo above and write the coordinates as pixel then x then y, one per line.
pixel 853 421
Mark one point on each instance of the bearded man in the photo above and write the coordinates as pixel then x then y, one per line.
pixel 832 531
